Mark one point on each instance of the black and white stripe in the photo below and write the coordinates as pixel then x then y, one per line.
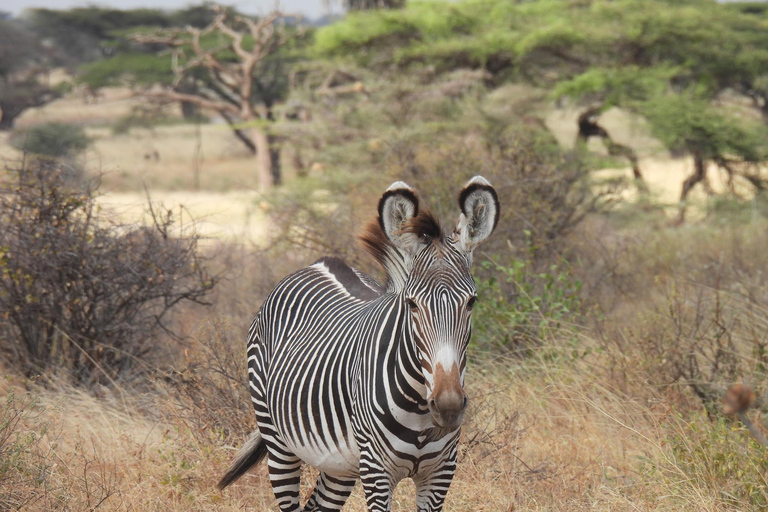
pixel 366 381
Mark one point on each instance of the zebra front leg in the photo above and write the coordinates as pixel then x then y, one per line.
pixel 432 487
pixel 377 485
pixel 330 493
pixel 285 477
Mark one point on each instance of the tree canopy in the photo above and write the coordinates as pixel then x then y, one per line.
pixel 672 62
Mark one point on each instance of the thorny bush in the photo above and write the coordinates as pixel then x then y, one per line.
pixel 80 292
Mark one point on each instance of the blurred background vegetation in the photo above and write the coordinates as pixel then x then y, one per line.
pixel 163 170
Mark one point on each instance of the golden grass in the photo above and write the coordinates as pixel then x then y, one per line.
pixel 114 102
pixel 229 216
pixel 538 438
pixel 165 158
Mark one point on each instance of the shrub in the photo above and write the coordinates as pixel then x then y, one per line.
pixel 540 305
pixel 81 293
pixel 55 140
pixel 721 455
pixel 210 393
pixel 22 468
pixel 544 191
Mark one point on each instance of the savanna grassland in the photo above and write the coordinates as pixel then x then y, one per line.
pixel 613 316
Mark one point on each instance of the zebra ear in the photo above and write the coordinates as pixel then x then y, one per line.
pixel 397 206
pixel 479 206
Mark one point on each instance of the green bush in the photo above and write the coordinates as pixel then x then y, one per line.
pixel 143 68
pixel 723 456
pixel 55 140
pixel 519 307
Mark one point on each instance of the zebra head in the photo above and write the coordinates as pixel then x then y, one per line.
pixel 430 272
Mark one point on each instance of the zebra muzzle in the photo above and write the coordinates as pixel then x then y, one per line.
pixel 447 410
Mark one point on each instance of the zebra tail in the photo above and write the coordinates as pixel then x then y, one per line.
pixel 252 452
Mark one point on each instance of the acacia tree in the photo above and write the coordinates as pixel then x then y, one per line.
pixel 634 54
pixel 233 67
pixel 672 65
pixel 24 66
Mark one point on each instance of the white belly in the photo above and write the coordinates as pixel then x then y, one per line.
pixel 335 460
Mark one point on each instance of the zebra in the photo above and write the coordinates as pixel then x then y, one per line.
pixel 365 381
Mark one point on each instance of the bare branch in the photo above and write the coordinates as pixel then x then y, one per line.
pixel 170 95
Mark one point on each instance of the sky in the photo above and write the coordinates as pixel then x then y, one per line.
pixel 309 8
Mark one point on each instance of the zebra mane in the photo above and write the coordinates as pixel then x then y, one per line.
pixel 425 228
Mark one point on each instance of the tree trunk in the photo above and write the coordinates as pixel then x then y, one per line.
pixel 8 114
pixel 589 127
pixel 189 110
pixel 699 174
pixel 14 103
pixel 264 159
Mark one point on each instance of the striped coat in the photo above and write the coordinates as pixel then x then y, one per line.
pixel 365 381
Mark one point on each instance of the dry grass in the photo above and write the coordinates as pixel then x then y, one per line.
pixel 218 216
pixel 538 439
pixel 594 431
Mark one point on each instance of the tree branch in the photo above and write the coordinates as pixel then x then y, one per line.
pixel 169 95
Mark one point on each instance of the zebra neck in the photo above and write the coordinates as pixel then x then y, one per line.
pixel 409 372
pixel 398 267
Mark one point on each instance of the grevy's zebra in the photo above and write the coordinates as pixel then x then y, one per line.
pixel 362 381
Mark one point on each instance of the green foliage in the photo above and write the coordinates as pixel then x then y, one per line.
pixel 361 30
pixel 735 211
pixel 98 22
pixel 56 140
pixel 519 307
pixel 622 86
pixel 723 456
pixel 644 56
pixel 150 120
pixel 686 122
pixel 136 68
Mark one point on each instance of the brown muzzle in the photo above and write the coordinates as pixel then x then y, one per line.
pixel 448 400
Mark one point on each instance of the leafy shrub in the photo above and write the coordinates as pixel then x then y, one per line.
pixel 78 292
pixel 722 455
pixel 686 122
pixel 539 305
pixel 544 191
pixel 56 140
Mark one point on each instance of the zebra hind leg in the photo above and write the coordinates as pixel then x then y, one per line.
pixel 330 493
pixel 285 477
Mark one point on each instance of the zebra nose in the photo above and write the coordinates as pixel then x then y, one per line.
pixel 448 409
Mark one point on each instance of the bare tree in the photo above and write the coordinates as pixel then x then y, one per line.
pixel 231 67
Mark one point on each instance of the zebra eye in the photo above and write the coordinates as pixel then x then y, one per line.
pixel 412 305
pixel 471 303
